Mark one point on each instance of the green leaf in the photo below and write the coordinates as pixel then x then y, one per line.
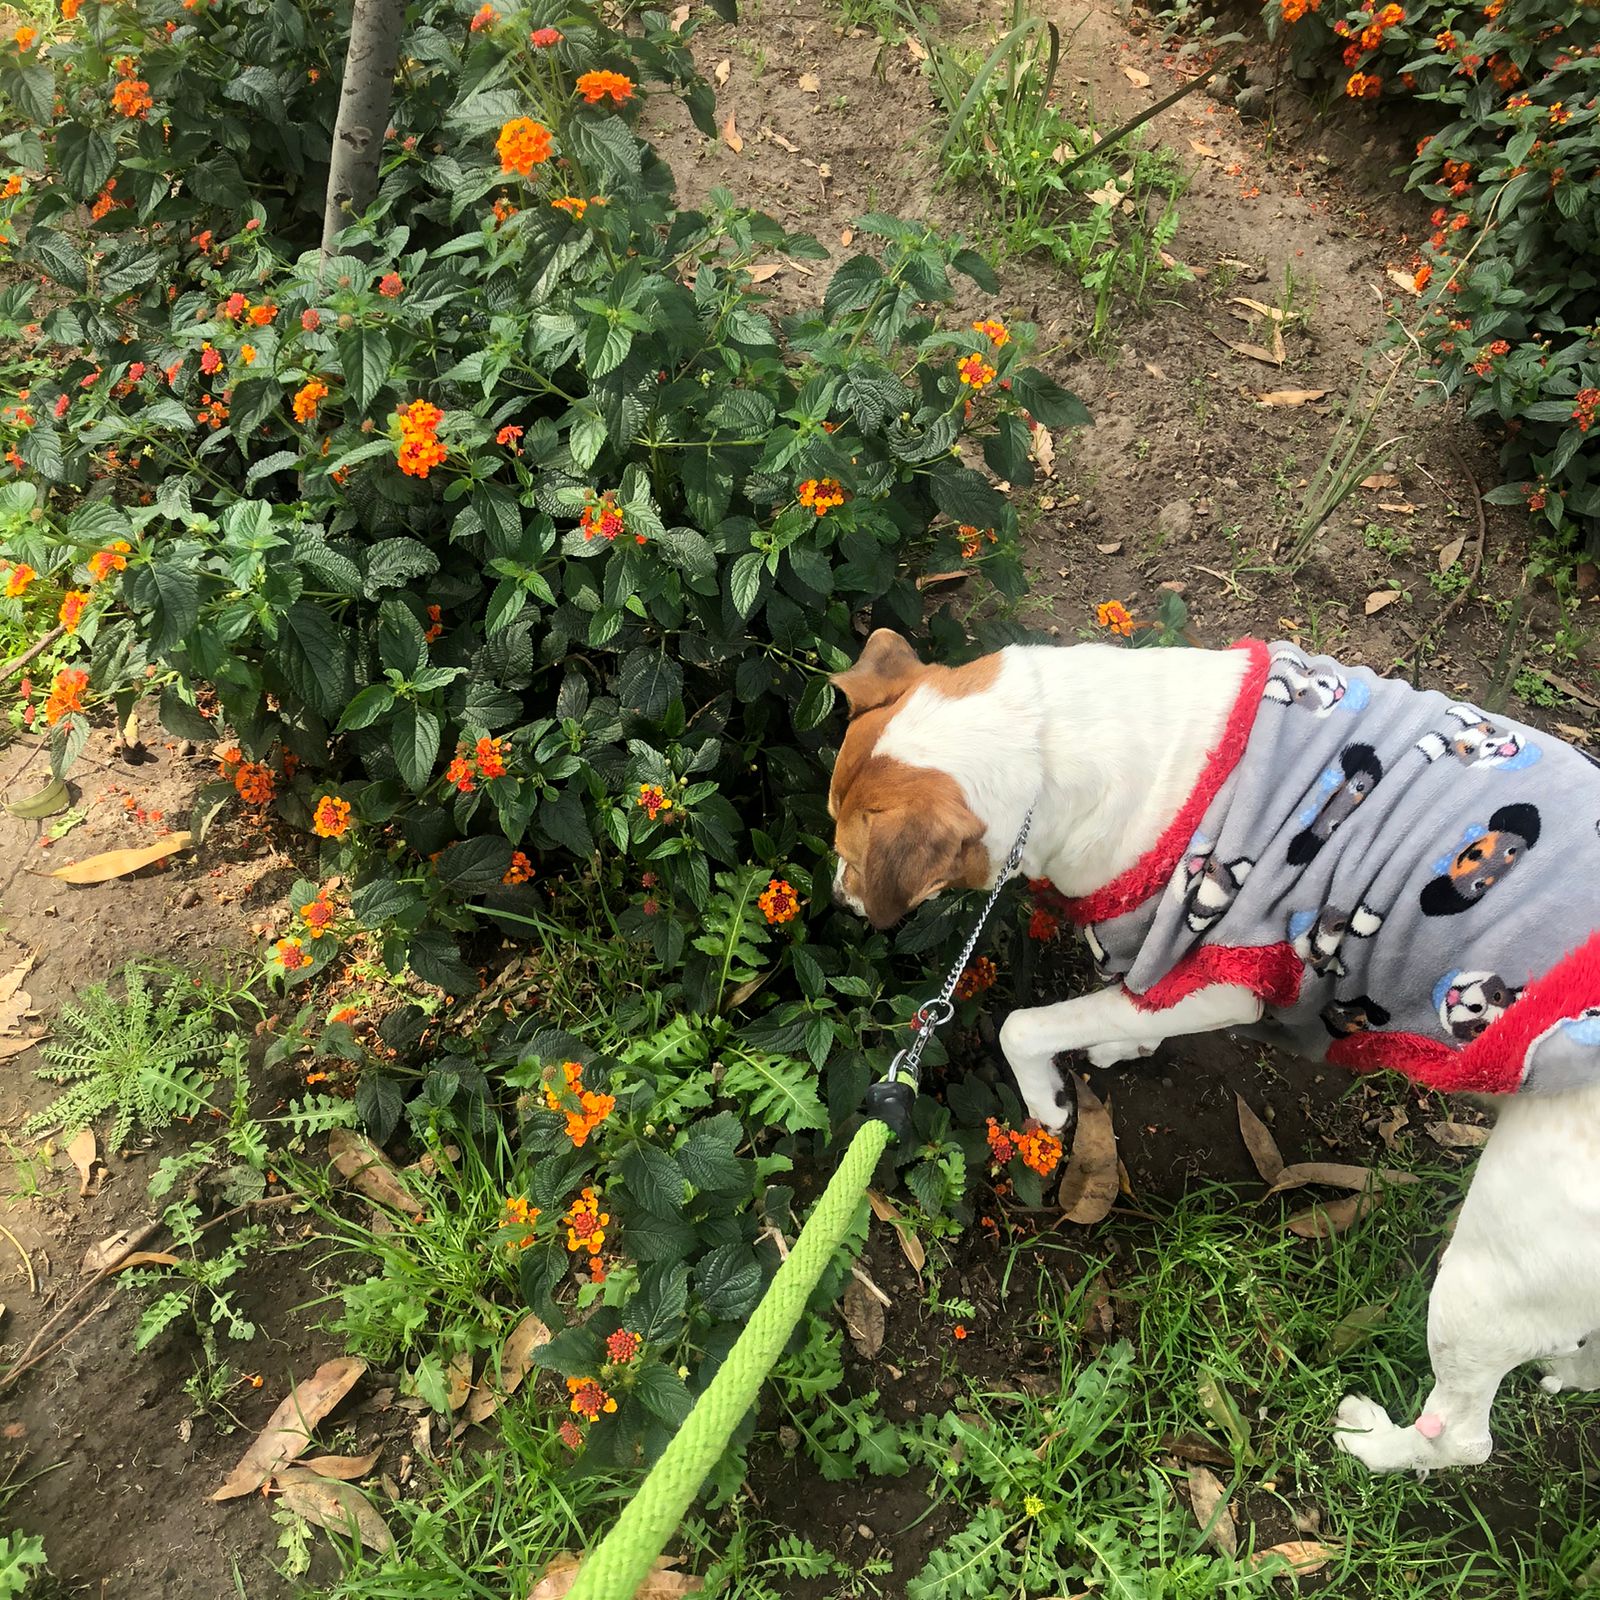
pixel 177 603
pixel 1046 401
pixel 707 1155
pixel 402 646
pixel 816 704
pixel 368 706
pixel 475 865
pixel 435 958
pixel 414 740
pixel 652 1179
pixel 1007 453
pixel 744 582
pixel 181 716
pixel 966 496
pixel 649 683
pixel 778 1092
pixel 663 1393
pixel 852 288
pixel 971 265
pixel 384 901
pixel 315 658
pixel 647 1237
pixel 728 1281
pixel 84 157
pixel 365 356
pixel 657 1311
pixel 393 563
pixel 379 1104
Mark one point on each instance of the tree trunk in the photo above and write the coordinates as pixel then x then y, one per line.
pixel 364 100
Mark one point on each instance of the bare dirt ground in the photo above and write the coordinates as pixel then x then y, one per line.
pixel 1186 478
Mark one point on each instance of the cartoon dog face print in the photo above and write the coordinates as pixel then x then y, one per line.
pixel 1292 682
pixel 1468 1002
pixel 1477 741
pixel 1097 951
pixel 1342 788
pixel 1483 858
pixel 1359 1015
pixel 1208 887
pixel 1318 936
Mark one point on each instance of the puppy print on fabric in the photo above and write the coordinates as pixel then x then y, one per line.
pixel 1467 1002
pixel 1206 886
pixel 1481 860
pixel 1342 787
pixel 1293 683
pixel 1360 1015
pixel 1318 935
pixel 1476 741
pixel 1565 1056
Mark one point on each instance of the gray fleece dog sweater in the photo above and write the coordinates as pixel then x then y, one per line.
pixel 1404 880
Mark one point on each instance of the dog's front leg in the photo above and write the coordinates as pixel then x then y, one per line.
pixel 1110 1022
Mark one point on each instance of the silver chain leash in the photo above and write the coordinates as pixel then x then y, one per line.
pixel 941 1009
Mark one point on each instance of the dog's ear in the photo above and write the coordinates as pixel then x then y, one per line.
pixel 914 852
pixel 1519 818
pixel 885 669
pixel 1441 898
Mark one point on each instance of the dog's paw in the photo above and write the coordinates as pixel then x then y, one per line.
pixel 1363 1429
pixel 1111 1055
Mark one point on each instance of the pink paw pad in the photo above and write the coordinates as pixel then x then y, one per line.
pixel 1430 1424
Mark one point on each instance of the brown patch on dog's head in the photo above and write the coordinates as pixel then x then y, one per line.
pixel 902 833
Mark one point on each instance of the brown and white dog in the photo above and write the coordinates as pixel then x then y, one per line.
pixel 936 772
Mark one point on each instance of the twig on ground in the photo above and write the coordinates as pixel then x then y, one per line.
pixel 27 1261
pixel 38 647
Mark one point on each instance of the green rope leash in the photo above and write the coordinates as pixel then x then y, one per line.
pixel 624 1557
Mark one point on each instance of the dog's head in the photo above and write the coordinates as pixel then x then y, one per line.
pixel 903 832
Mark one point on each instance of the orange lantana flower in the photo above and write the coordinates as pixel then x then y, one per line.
pixel 420 449
pixel 1114 615
pixel 114 558
pixel 331 819
pixel 595 86
pixel 523 144
pixel 66 694
pixel 822 494
pixel 779 903
pixel 254 782
pixel 307 398
pixel 72 608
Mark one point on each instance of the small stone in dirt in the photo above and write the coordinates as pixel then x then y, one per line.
pixel 1307 1521
pixel 864 1530
pixel 189 897
pixel 1175 520
pixel 788 1438
pixel 1251 101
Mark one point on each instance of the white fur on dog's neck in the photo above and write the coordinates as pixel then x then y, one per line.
pixel 1106 744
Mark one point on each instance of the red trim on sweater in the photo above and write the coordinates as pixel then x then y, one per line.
pixel 1151 871
pixel 1272 971
pixel 1493 1062
pixel 1423 1060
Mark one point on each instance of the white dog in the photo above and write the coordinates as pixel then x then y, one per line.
pixel 1187 803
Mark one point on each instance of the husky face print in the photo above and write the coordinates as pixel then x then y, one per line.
pixel 1483 858
pixel 1293 682
pixel 1343 787
pixel 1209 887
pixel 1477 741
pixel 1469 1002
pixel 1319 936
pixel 1359 1015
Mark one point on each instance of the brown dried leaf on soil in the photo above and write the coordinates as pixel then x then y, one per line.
pixel 863 1318
pixel 1256 352
pixel 339 1507
pixel 1381 480
pixel 1401 508
pixel 1259 1142
pixel 84 1154
pixel 723 68
pixel 348 1468
pixel 289 1428
pixel 764 270
pixel 1457 1135
pixel 146 1258
pixel 910 1245
pixel 1403 280
pixel 1043 449
pixel 1140 80
pixel 662 1584
pixel 107 1252
pixel 1451 553
pixel 1338 1175
pixel 112 864
pixel 1304 1556
pixel 458 1378
pixel 1291 397
pixel 1206 1496
pixel 1323 1221
pixel 810 83
pixel 1089 1185
pixel 516 1360
pixel 1109 549
pixel 370 1172
pixel 1204 151
pixel 679 16
pixel 1380 599
pixel 731 136
pixel 915 48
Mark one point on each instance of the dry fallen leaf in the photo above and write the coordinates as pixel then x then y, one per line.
pixel 932 580
pixel 1322 1222
pixel 846 237
pixel 339 1507
pixel 83 1154
pixel 1204 151
pixel 730 135
pixel 1291 397
pixel 1379 599
pixel 1303 1556
pixel 1403 280
pixel 1256 352
pixel 810 83
pixel 1206 1500
pixel 1259 1142
pixel 516 1359
pixel 1355 1328
pixel 1089 1185
pixel 1401 508
pixel 910 1245
pixel 679 16
pixel 1109 549
pixel 288 1430
pixel 458 1378
pixel 109 1251
pixel 1451 553
pixel 1140 80
pixel 721 71
pixel 145 1258
pixel 863 1318
pixel 11 983
pixel 1338 1175
pixel 119 863
pixel 370 1172
pixel 662 1584
pixel 1043 449
pixel 782 143
pixel 915 48
pixel 1381 480
pixel 763 271
pixel 1108 195
pixel 1457 1135
pixel 346 1467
